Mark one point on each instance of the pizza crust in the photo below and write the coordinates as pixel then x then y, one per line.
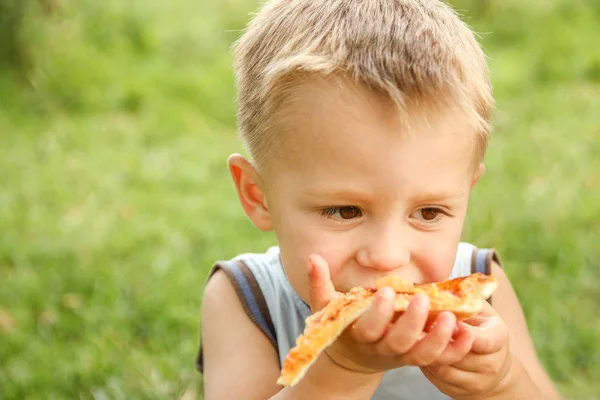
pixel 464 297
pixel 322 329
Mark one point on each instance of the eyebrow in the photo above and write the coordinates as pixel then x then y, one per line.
pixel 357 195
pixel 337 193
pixel 437 196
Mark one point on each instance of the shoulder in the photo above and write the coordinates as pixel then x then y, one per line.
pixel 243 352
pixel 506 302
pixel 507 305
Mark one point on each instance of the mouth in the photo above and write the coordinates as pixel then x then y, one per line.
pixel 370 283
pixel 392 280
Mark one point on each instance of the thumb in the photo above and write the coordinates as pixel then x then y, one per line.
pixel 487 311
pixel 489 329
pixel 321 288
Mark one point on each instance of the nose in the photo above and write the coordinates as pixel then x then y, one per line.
pixel 386 249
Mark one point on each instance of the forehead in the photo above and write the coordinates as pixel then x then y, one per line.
pixel 329 127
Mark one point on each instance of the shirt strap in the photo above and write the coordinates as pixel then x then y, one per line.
pixel 252 299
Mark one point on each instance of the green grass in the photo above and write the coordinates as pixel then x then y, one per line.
pixel 115 199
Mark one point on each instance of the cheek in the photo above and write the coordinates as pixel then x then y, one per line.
pixel 435 258
pixel 300 243
pixel 295 262
pixel 296 269
pixel 300 233
pixel 439 266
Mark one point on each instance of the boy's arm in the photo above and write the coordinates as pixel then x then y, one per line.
pixel 507 305
pixel 240 362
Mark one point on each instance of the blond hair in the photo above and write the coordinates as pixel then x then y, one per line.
pixel 411 50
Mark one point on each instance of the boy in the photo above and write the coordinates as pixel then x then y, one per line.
pixel 367 123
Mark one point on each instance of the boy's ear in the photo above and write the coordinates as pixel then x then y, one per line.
pixel 478 173
pixel 248 185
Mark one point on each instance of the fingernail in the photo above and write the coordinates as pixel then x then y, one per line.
pixel 311 265
pixel 420 301
pixel 385 294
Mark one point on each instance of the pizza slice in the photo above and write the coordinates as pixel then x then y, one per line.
pixel 462 296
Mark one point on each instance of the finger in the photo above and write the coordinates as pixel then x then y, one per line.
pixel 408 328
pixel 490 335
pixel 489 364
pixel 321 289
pixel 457 349
pixel 453 379
pixel 486 311
pixel 428 349
pixel 371 326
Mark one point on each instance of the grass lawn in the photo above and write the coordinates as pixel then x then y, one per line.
pixel 115 199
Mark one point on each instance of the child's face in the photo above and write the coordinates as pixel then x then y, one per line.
pixel 374 198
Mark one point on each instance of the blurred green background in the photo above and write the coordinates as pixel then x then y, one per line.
pixel 116 118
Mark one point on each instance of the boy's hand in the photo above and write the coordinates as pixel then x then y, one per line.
pixel 484 370
pixel 375 343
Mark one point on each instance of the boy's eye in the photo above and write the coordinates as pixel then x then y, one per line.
pixel 429 213
pixel 349 212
